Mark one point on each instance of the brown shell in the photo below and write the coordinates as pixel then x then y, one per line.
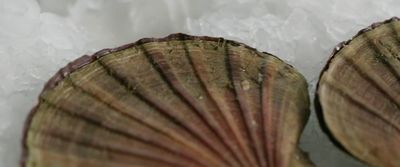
pixel 359 94
pixel 181 101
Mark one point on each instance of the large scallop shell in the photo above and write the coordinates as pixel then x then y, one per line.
pixel 181 101
pixel 359 94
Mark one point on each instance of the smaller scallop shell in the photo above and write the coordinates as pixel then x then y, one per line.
pixel 179 101
pixel 359 94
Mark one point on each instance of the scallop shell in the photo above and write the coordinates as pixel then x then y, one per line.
pixel 182 101
pixel 359 94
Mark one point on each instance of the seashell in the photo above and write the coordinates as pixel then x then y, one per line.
pixel 359 94
pixel 182 101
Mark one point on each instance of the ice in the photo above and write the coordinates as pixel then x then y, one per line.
pixel 39 37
